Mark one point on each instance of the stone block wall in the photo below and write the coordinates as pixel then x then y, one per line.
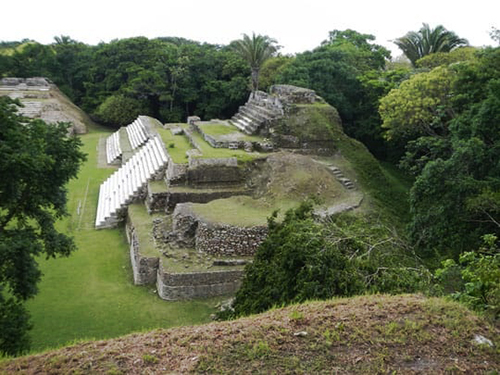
pixel 180 286
pixel 144 268
pixel 167 200
pixel 176 173
pixel 216 239
pixel 228 240
pixel 294 95
pixel 215 175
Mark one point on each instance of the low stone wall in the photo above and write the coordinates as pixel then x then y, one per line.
pixel 167 200
pixel 175 173
pixel 265 100
pixel 294 95
pixel 30 82
pixel 222 240
pixel 144 268
pixel 212 162
pixel 219 171
pixel 180 286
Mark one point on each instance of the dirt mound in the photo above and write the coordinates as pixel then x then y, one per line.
pixel 295 177
pixel 365 335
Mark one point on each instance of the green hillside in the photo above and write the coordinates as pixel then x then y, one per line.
pixel 406 334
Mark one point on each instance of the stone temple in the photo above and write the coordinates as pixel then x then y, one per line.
pixel 164 173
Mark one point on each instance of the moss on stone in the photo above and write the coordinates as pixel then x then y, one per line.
pixel 142 223
pixel 176 145
pixel 310 122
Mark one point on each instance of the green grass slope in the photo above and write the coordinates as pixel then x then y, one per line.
pixel 386 189
pixel 379 334
pixel 91 293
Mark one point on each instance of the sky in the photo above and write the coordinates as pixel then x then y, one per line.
pixel 297 25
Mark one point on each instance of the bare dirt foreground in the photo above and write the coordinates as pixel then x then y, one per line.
pixel 408 334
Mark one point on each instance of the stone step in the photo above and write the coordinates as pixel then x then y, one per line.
pixel 250 124
pixel 234 121
pixel 243 126
pixel 347 183
pixel 270 113
pixel 254 113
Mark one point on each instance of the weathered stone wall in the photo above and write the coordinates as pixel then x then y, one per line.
pixel 180 286
pixel 144 268
pixel 215 239
pixel 216 171
pixel 265 100
pixel 184 225
pixel 220 239
pixel 212 162
pixel 166 201
pixel 294 95
pixel 30 82
pixel 175 173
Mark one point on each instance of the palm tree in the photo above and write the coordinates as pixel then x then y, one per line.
pixel 417 44
pixel 256 50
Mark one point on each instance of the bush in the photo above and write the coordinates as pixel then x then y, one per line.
pixel 302 259
pixel 475 279
pixel 118 110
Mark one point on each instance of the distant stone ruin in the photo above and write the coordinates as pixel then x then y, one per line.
pixel 262 109
pixel 42 99
pixel 155 190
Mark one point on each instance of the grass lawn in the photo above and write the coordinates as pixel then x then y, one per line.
pixel 176 145
pixel 90 294
pixel 224 130
pixel 241 210
pixel 210 152
pixel 143 223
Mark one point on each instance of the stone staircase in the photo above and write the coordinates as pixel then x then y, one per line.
pixel 341 178
pixel 31 109
pixel 137 132
pixel 258 111
pixel 127 182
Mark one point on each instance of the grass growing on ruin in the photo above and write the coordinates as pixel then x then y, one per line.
pixel 158 186
pixel 210 152
pixel 91 293
pixel 228 131
pixel 241 210
pixel 143 223
pixel 176 145
pixel 191 260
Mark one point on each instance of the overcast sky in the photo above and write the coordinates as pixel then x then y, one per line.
pixel 296 25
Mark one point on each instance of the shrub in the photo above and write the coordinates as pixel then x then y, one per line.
pixel 119 110
pixel 476 277
pixel 304 259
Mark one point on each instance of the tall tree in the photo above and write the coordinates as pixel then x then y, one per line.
pixel 417 44
pixel 347 71
pixel 256 50
pixel 450 118
pixel 36 162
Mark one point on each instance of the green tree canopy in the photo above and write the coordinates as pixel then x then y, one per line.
pixel 417 44
pixel 446 58
pixel 449 119
pixel 118 110
pixel 420 106
pixel 347 71
pixel 36 162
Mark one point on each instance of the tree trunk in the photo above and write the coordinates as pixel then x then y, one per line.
pixel 255 79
